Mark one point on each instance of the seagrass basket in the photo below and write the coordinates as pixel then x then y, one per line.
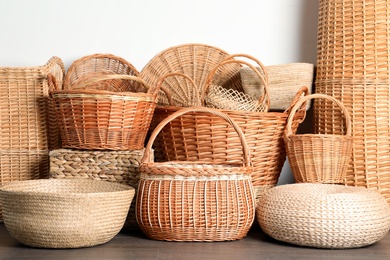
pixel 217 96
pixel 74 213
pixel 99 119
pixel 96 66
pixel 195 200
pixel 324 215
pixel 320 158
pixel 194 60
pixel 112 166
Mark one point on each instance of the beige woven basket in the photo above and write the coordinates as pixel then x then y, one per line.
pixel 198 200
pixel 217 96
pixel 320 158
pixel 194 60
pixel 64 213
pixel 97 66
pixel 98 119
pixel 112 166
pixel 324 215
pixel 284 80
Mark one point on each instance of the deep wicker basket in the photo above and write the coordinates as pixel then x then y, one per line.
pixel 320 158
pixel 98 119
pixel 74 213
pixel 199 200
pixel 324 215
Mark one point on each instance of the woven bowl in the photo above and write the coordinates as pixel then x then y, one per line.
pixel 324 215
pixel 71 213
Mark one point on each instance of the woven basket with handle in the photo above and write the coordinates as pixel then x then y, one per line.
pixel 99 119
pixel 196 200
pixel 320 158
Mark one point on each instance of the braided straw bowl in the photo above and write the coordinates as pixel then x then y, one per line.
pixel 53 213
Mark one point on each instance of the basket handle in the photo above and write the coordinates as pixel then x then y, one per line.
pixel 52 82
pixel 263 99
pixel 160 126
pixel 288 130
pixel 117 76
pixel 168 94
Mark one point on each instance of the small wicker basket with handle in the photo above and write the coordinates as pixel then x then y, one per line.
pixel 320 158
pixel 195 200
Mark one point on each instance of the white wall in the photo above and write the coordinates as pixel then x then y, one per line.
pixel 277 31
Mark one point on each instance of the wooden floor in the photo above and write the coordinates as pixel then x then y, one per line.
pixel 134 245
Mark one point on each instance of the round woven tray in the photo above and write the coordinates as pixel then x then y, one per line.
pixel 324 215
pixel 71 213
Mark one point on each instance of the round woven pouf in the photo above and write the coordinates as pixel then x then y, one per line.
pixel 324 215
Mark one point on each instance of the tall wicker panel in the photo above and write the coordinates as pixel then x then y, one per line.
pixel 353 66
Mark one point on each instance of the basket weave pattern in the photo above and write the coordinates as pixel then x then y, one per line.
pixel 195 201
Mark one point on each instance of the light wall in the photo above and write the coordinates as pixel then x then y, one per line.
pixel 275 32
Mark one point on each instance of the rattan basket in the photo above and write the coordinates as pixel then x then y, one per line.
pixel 197 200
pixel 195 61
pixel 64 213
pixel 98 65
pixel 112 166
pixel 98 119
pixel 201 136
pixel 217 96
pixel 320 158
pixel 324 215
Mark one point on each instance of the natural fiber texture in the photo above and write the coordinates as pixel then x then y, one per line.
pixel 320 158
pixel 64 213
pixel 353 40
pixel 98 65
pixel 203 137
pixel 23 106
pixel 97 119
pixel 113 166
pixel 194 61
pixel 217 96
pixel 324 215
pixel 199 200
pixel 368 106
pixel 284 80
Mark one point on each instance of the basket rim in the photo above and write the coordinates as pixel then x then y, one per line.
pixel 103 94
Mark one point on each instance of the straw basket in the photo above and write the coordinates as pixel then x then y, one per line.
pixel 97 119
pixel 64 213
pixel 284 80
pixel 112 166
pixel 324 215
pixel 194 61
pixel 98 65
pixel 199 200
pixel 319 157
pixel 217 96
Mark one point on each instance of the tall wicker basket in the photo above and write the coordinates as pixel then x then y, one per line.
pixel 196 200
pixel 353 67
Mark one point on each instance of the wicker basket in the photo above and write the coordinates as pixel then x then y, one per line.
pixel 353 42
pixel 320 158
pixel 23 106
pixel 203 137
pixel 195 201
pixel 194 61
pixel 324 215
pixel 64 213
pixel 284 80
pixel 98 65
pixel 217 96
pixel 98 119
pixel 112 166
